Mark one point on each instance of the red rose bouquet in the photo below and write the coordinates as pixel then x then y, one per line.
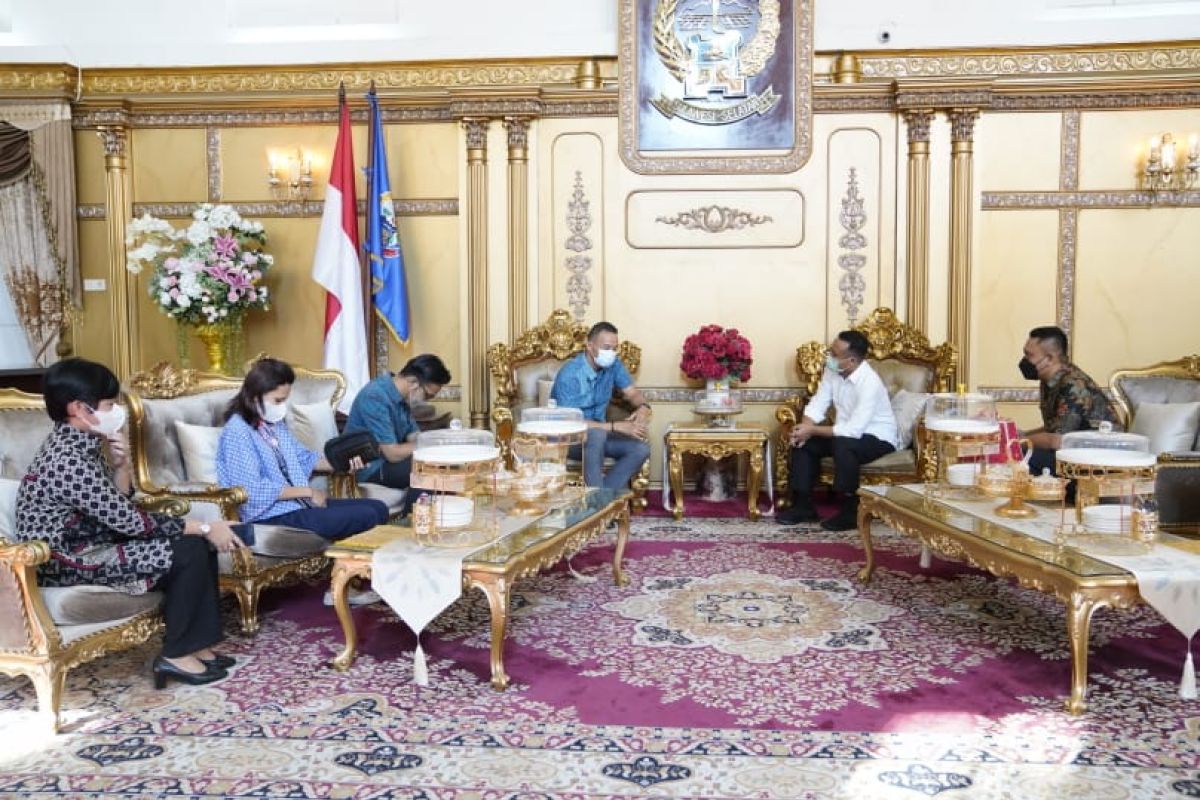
pixel 713 353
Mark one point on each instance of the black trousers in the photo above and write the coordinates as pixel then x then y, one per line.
pixel 848 457
pixel 1042 458
pixel 191 608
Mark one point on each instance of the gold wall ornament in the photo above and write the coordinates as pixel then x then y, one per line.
pixel 27 81
pixel 518 224
pixel 852 286
pixel 579 263
pixel 717 78
pixel 433 207
pixel 715 219
pixel 122 285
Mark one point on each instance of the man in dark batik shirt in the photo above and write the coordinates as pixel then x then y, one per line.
pixel 1069 399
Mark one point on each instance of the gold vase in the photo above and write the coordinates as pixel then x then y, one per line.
pixel 213 340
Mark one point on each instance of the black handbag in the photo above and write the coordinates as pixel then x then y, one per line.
pixel 340 449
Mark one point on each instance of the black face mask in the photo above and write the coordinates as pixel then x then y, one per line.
pixel 1028 370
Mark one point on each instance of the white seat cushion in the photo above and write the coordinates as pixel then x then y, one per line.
pixel 392 498
pixel 92 605
pixel 8 508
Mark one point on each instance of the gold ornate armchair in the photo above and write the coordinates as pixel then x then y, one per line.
pixel 523 372
pixel 46 632
pixel 905 360
pixel 165 395
pixel 1169 386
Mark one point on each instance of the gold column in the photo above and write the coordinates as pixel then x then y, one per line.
pixel 122 284
pixel 962 130
pixel 518 226
pixel 917 212
pixel 477 288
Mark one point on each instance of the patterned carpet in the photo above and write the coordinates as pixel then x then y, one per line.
pixel 743 662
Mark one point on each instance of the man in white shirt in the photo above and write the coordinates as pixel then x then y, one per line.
pixel 864 431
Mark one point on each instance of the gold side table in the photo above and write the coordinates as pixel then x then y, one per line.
pixel 752 440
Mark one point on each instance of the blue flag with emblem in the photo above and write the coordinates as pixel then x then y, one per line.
pixel 389 290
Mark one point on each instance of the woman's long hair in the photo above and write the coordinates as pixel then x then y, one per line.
pixel 267 375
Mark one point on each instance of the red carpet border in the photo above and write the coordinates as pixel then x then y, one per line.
pixel 743 661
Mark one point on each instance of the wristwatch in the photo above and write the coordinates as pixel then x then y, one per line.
pixel 205 529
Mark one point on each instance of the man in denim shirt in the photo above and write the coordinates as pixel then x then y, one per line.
pixel 586 382
pixel 384 408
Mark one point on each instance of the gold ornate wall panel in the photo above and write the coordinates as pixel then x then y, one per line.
pixel 714 219
pixel 858 211
pixel 575 259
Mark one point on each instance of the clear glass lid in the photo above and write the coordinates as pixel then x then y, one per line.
pixel 961 413
pixel 455 445
pixel 1106 447
pixel 551 419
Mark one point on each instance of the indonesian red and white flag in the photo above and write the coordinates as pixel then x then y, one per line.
pixel 337 268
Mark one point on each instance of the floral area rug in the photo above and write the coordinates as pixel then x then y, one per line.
pixel 743 661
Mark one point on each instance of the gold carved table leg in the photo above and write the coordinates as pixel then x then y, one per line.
pixel 675 469
pixel 865 515
pixel 496 589
pixel 754 479
pixel 619 576
pixel 342 573
pixel 1079 620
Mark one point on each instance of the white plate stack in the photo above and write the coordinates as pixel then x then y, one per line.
pixel 1108 519
pixel 450 511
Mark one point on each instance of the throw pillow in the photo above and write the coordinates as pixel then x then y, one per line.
pixel 8 508
pixel 1170 426
pixel 198 443
pixel 907 406
pixel 313 424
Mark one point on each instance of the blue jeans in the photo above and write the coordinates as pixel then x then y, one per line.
pixel 338 519
pixel 628 452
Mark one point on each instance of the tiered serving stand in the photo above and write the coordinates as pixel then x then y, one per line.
pixel 1109 465
pixel 452 463
pixel 718 409
pixel 540 446
pixel 965 430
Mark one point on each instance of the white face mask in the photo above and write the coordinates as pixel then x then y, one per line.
pixel 110 421
pixel 606 358
pixel 831 363
pixel 274 412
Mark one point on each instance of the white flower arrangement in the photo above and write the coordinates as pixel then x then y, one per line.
pixel 208 273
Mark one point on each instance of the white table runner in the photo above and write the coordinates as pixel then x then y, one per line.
pixel 420 582
pixel 1168 573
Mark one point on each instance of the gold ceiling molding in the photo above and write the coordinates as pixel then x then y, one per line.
pixel 319 79
pixel 38 80
pixel 1035 61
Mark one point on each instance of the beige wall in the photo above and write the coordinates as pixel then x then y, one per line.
pixel 1128 293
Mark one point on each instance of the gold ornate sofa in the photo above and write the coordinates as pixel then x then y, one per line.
pixel 1161 401
pixel 160 398
pixel 526 369
pixel 904 360
pixel 45 632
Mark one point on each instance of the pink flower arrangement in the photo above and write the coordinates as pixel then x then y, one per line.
pixel 713 353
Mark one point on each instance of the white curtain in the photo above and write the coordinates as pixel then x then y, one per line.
pixel 39 250
pixel 29 270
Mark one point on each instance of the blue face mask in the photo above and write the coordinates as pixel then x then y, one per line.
pixel 831 362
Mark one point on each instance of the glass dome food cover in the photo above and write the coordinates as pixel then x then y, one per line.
pixel 552 420
pixel 966 414
pixel 455 445
pixel 1106 448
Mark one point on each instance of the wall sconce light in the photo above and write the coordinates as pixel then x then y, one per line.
pixel 1167 168
pixel 290 177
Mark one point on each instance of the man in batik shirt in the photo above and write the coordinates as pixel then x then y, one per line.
pixel 1069 399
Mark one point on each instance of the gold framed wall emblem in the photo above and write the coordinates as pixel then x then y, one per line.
pixel 715 86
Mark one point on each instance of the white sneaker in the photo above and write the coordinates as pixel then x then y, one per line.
pixel 363 597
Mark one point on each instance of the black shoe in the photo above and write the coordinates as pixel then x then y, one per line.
pixel 219 661
pixel 799 511
pixel 846 519
pixel 164 669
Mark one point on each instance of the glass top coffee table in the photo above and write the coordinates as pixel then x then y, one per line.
pixel 1082 582
pixel 572 520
